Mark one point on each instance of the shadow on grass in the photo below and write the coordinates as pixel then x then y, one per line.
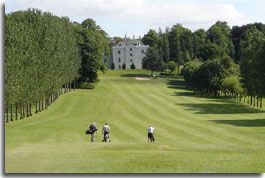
pixel 223 107
pixel 136 75
pixel 242 123
pixel 177 84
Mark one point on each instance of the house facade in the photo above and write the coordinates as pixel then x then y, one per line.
pixel 126 53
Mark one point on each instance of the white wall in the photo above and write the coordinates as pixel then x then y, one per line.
pixel 125 55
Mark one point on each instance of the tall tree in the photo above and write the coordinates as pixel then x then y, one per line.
pixel 152 61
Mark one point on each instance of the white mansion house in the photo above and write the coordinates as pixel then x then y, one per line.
pixel 128 52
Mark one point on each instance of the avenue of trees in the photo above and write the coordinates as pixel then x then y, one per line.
pixel 46 56
pixel 219 61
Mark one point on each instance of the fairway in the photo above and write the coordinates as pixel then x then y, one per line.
pixel 193 134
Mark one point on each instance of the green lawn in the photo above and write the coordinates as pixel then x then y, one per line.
pixel 193 134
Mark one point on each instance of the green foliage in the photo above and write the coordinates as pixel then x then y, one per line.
pixel 123 66
pixel 132 66
pixel 151 38
pixel 220 35
pixel 171 65
pixel 251 45
pixel 41 55
pixel 93 43
pixel 208 77
pixel 232 85
pixel 189 70
pixel 86 85
pixel 152 61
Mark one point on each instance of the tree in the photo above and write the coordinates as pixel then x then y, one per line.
pixel 93 43
pixel 123 66
pixel 250 45
pixel 199 39
pixel 163 46
pixel 171 65
pixel 151 38
pixel 41 56
pixel 152 61
pixel 189 69
pixel 220 35
pixel 132 66
pixel 232 85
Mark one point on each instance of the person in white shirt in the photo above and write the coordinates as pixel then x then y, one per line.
pixel 150 134
pixel 105 132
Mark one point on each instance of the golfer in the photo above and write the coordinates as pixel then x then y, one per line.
pixel 150 134
pixel 93 129
pixel 105 132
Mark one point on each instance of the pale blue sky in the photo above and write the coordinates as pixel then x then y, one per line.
pixel 118 17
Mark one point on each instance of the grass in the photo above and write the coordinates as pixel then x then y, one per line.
pixel 193 134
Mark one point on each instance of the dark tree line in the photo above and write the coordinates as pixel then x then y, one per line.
pixel 44 59
pixel 218 61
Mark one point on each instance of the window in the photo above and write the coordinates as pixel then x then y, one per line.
pixel 119 59
pixel 131 60
pixel 119 52
pixel 105 60
pixel 130 49
pixel 131 54
pixel 142 51
pixel 119 66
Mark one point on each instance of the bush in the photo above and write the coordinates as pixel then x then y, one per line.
pixel 86 85
pixel 124 66
pixel 232 85
pixel 132 66
pixel 171 66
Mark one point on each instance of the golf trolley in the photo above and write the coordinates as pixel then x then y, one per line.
pixel 106 137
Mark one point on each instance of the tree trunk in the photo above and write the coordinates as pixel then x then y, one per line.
pixel 39 110
pixel 20 111
pixel 257 104
pixel 260 102
pixel 36 107
pixel 23 111
pixel 7 117
pixel 30 110
pixel 16 111
pixel 42 104
pixel 11 112
pixel 27 109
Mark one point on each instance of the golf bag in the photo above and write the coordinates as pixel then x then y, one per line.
pixel 91 130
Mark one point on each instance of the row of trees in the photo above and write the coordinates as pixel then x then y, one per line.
pixel 46 56
pixel 220 59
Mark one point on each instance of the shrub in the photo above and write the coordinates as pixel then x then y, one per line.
pixel 132 66
pixel 86 85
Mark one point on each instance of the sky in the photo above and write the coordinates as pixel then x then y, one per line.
pixel 136 17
